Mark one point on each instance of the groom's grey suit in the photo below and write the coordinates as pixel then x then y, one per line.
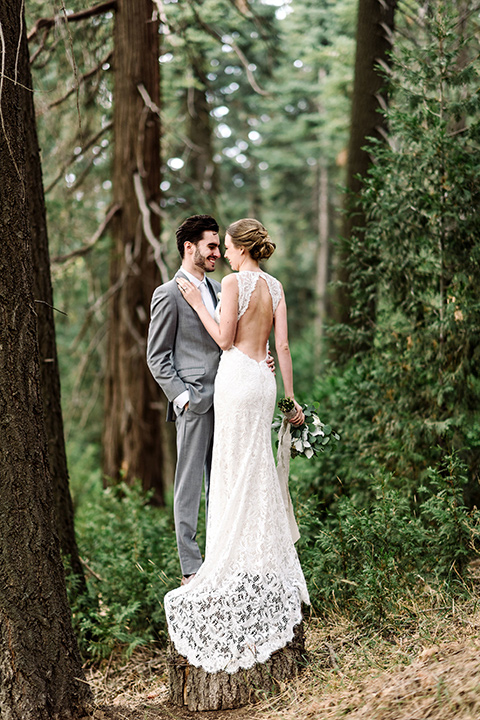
pixel 182 356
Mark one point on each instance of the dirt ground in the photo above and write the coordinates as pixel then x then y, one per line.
pixel 430 674
pixel 138 690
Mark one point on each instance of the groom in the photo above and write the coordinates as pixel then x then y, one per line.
pixel 183 359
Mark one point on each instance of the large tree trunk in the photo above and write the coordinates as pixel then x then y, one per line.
pixel 49 370
pixel 373 42
pixel 134 407
pixel 41 676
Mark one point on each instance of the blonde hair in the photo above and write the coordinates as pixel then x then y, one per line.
pixel 251 235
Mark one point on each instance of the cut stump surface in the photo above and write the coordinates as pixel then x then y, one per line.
pixel 198 690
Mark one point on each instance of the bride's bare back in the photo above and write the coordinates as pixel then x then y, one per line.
pixel 254 326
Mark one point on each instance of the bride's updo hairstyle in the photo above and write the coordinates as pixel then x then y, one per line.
pixel 251 235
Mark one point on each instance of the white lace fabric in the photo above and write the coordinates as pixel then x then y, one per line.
pixel 245 601
pixel 247 282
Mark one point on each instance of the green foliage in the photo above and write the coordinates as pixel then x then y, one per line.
pixel 131 561
pixel 373 560
pixel 390 513
pixel 415 392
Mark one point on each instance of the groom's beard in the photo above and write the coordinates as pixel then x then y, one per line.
pixel 200 262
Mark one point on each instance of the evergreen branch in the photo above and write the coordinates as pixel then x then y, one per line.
pixel 73 63
pixel 52 307
pixel 97 385
pixel 81 80
pixel 130 255
pixel 37 52
pixel 147 226
pixel 162 15
pixel 153 107
pixel 95 307
pixel 91 142
pixel 19 84
pixel 92 241
pixel 93 11
pixel 245 9
pixel 84 173
pixel 251 79
pixel 92 572
pixel 217 36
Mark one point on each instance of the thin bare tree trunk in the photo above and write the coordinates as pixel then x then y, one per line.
pixel 322 276
pixel 374 39
pixel 132 438
pixel 41 676
pixel 323 260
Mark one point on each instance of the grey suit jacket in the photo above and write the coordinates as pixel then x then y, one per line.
pixel 181 354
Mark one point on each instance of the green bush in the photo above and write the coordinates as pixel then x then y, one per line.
pixel 371 559
pixel 129 550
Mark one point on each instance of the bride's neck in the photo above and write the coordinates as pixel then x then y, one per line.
pixel 249 264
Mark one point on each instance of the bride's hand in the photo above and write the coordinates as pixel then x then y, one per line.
pixel 191 293
pixel 299 417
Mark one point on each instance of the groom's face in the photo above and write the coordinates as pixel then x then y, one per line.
pixel 207 251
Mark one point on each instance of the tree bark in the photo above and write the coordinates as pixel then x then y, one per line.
pixel 41 676
pixel 374 37
pixel 133 422
pixel 198 690
pixel 49 370
pixel 201 169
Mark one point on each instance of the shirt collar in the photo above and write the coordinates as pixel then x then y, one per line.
pixel 192 278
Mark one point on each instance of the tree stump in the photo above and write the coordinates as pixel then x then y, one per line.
pixel 196 689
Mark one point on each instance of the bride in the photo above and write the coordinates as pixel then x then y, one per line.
pixel 245 600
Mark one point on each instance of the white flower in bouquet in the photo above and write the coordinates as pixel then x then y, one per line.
pixel 312 437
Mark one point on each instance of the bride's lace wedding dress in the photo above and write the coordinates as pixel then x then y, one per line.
pixel 246 598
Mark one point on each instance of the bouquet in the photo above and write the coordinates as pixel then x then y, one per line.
pixel 308 439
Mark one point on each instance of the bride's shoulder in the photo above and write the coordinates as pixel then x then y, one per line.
pixel 230 281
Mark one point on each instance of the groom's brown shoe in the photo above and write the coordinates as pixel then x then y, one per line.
pixel 186 579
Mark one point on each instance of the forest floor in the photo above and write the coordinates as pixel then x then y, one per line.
pixel 420 667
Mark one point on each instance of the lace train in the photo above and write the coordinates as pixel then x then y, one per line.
pixel 246 598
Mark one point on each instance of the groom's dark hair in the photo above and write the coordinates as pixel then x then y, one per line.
pixel 192 229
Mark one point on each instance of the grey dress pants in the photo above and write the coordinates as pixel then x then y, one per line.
pixel 194 458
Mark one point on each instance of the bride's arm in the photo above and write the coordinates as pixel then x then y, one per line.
pixel 224 333
pixel 284 358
